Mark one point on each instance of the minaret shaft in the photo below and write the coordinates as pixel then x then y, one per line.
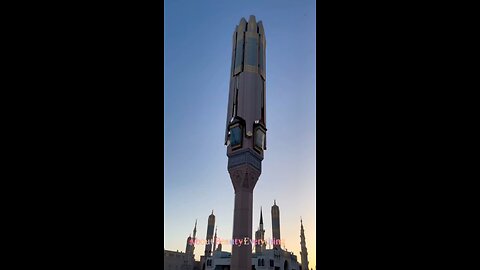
pixel 215 241
pixel 260 244
pixel 190 248
pixel 276 226
pixel 303 246
pixel 242 230
pixel 194 237
pixel 209 238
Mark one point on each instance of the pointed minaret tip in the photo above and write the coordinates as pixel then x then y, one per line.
pixel 252 24
pixel 261 216
pixel 242 25
pixel 260 29
pixel 274 202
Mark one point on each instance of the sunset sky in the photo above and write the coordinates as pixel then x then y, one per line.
pixel 198 37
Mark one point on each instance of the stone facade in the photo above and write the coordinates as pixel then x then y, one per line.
pixel 175 260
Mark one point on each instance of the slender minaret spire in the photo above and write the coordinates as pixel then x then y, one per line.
pixel 215 239
pixel 195 229
pixel 303 245
pixel 276 226
pixel 264 244
pixel 211 224
pixel 194 236
pixel 259 236
pixel 261 218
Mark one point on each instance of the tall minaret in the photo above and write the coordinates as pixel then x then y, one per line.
pixel 211 224
pixel 215 240
pixel 194 236
pixel 276 226
pixel 245 133
pixel 303 246
pixel 188 248
pixel 259 236
pixel 191 241
pixel 262 235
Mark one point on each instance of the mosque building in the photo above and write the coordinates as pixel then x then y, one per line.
pixel 214 258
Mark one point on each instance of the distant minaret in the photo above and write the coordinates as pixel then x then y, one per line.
pixel 188 248
pixel 211 224
pixel 303 246
pixel 194 236
pixel 276 226
pixel 191 241
pixel 264 244
pixel 259 236
pixel 215 239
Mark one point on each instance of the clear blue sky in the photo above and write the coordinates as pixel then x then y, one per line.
pixel 198 43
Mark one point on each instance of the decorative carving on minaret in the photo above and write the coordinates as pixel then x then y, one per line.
pixel 244 178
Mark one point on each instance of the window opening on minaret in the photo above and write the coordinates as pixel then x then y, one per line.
pixel 243 52
pixel 235 103
pixel 262 116
pixel 260 52
pixel 239 51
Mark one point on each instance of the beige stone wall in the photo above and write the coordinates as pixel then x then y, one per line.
pixel 177 260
